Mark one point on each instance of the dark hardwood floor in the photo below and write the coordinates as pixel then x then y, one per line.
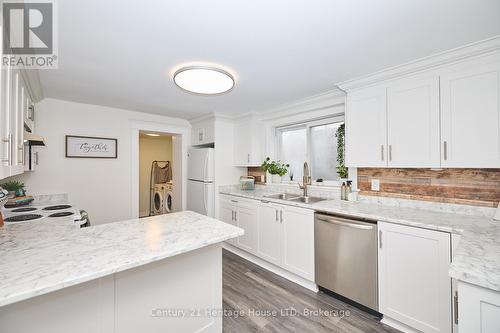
pixel 248 289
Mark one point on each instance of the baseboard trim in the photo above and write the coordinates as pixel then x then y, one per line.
pixel 271 267
pixel 398 325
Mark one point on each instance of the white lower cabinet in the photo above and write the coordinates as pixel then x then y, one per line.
pixel 414 286
pixel 297 241
pixel 241 213
pixel 279 234
pixel 286 238
pixel 478 309
pixel 269 233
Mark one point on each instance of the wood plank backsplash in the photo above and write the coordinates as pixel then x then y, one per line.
pixel 478 187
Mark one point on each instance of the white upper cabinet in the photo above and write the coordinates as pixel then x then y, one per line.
pixel 203 133
pixel 413 123
pixel 248 142
pixel 5 124
pixel 470 115
pixel 446 117
pixel 366 128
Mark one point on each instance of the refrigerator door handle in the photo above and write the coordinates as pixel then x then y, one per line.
pixel 205 170
pixel 205 198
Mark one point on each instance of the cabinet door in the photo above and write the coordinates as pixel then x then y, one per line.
pixel 247 220
pixel 414 286
pixel 470 116
pixel 16 123
pixel 269 233
pixel 227 215
pixel 413 123
pixel 298 241
pixel 5 123
pixel 366 128
pixel 242 144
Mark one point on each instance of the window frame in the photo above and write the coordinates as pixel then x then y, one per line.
pixel 307 125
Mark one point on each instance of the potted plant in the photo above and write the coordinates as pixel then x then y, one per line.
pixel 341 168
pixel 276 168
pixel 15 188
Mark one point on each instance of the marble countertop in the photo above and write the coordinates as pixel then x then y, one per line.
pixel 476 259
pixel 38 258
pixel 447 222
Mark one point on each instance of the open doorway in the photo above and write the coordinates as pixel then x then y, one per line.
pixel 156 185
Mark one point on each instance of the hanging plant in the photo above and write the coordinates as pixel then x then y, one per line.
pixel 341 168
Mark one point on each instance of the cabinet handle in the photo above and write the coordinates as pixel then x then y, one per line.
pixel 232 216
pixel 455 308
pixel 248 158
pixel 380 239
pixel 390 152
pixel 9 147
pixel 277 218
pixel 445 150
pixel 234 201
pixel 36 158
pixel 281 216
pixel 20 149
pixel 235 216
pixel 31 113
pixel 382 152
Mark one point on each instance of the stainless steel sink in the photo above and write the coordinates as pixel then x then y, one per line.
pixel 308 200
pixel 282 196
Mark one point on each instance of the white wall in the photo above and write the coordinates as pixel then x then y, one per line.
pixel 101 186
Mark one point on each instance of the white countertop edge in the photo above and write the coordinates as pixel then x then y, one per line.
pixel 14 298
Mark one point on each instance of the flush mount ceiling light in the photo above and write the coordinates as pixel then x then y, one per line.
pixel 204 80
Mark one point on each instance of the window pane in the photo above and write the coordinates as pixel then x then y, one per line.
pixel 324 152
pixel 293 150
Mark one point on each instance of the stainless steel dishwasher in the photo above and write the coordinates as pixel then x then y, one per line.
pixel 346 257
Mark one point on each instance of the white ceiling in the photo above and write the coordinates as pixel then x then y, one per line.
pixel 122 53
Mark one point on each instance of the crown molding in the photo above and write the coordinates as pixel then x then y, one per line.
pixel 211 116
pixel 473 50
pixel 316 102
pixel 32 82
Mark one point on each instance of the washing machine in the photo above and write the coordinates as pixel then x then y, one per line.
pixel 162 200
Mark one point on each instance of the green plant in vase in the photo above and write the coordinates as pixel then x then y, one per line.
pixel 14 187
pixel 275 168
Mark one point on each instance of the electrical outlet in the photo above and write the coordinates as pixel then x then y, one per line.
pixel 375 185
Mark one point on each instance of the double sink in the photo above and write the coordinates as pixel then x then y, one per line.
pixel 294 198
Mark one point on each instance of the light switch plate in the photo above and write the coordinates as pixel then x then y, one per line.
pixel 375 185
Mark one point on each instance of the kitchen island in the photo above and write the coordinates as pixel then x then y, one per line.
pixel 158 274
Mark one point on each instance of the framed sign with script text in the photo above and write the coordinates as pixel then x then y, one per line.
pixel 91 147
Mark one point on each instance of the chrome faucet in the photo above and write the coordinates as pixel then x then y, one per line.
pixel 306 179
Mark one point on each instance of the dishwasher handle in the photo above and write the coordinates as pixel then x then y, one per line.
pixel 344 222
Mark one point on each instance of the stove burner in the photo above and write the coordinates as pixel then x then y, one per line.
pixel 23 217
pixel 22 210
pixel 57 207
pixel 14 205
pixel 61 214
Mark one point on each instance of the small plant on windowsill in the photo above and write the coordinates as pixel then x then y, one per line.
pixel 341 168
pixel 276 168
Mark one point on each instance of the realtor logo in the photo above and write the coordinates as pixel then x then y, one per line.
pixel 29 34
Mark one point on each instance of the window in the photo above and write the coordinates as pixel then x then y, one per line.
pixel 314 142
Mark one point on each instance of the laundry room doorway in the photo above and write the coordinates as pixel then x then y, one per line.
pixel 156 183
pixel 180 135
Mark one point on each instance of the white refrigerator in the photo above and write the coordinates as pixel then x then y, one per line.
pixel 201 191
